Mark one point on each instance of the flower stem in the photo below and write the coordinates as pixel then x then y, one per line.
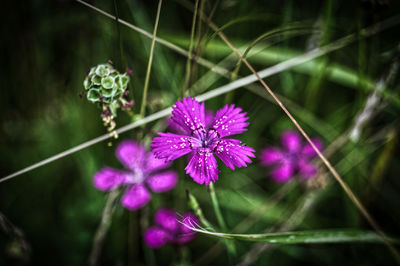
pixel 121 49
pixel 195 206
pixel 229 244
pixel 146 81
pixel 102 230
pixel 216 207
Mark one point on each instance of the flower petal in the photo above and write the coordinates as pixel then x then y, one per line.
pixel 230 120
pixel 161 182
pixel 109 178
pixel 174 127
pixel 171 146
pixel 307 170
pixel 186 234
pixel 131 154
pixel 291 140
pixel 156 237
pixel 188 114
pixel 135 197
pixel 154 164
pixel 271 155
pixel 308 150
pixel 284 172
pixel 168 220
pixel 202 166
pixel 233 154
pixel 209 117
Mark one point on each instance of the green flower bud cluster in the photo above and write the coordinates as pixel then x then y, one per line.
pixel 105 85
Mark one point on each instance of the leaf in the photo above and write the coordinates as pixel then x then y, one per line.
pixel 304 237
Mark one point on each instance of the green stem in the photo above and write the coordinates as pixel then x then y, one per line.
pixel 229 244
pixel 216 207
pixel 104 226
pixel 146 81
pixel 189 59
pixel 195 206
pixel 308 237
pixel 121 49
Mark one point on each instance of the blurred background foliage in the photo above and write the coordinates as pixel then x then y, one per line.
pixel 47 47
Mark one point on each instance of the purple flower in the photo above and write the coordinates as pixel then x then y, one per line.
pixel 294 158
pixel 201 140
pixel 169 230
pixel 143 172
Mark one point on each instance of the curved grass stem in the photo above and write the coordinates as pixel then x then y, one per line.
pixel 147 79
pixel 102 230
pixel 190 56
pixel 217 209
pixel 230 245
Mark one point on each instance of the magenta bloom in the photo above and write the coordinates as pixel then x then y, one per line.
pixel 294 158
pixel 170 230
pixel 201 140
pixel 143 172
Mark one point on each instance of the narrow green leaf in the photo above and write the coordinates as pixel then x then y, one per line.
pixel 305 237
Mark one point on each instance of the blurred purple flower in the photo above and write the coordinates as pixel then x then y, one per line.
pixel 128 105
pixel 169 230
pixel 202 140
pixel 129 71
pixel 294 158
pixel 143 172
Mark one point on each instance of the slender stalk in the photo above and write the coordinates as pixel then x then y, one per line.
pixel 196 46
pixel 102 230
pixel 199 46
pixel 305 237
pixel 121 49
pixel 230 245
pixel 147 79
pixel 216 207
pixel 189 58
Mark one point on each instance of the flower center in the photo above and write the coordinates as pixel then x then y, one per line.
pixel 207 139
pixel 136 176
pixel 292 157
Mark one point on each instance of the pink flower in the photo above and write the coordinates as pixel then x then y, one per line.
pixel 143 172
pixel 169 230
pixel 294 158
pixel 202 140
